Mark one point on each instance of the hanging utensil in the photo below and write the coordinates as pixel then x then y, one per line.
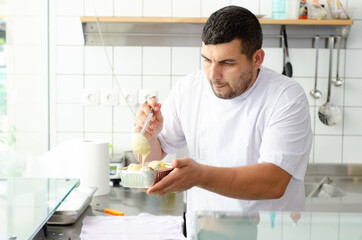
pixel 316 94
pixel 287 68
pixel 328 113
pixel 337 81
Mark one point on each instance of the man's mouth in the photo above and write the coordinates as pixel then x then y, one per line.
pixel 219 86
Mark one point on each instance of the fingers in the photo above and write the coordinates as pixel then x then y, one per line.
pixel 179 163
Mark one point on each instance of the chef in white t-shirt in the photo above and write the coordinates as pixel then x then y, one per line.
pixel 247 127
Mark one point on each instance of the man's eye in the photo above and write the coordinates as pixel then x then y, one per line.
pixel 228 63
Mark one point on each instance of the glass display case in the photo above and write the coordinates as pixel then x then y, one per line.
pixel 27 203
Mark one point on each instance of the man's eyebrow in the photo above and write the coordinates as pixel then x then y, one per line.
pixel 224 60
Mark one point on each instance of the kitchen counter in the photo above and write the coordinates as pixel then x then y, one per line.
pixel 130 201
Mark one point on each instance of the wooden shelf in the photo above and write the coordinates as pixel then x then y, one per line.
pixel 310 22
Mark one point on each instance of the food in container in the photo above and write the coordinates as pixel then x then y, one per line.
pixel 138 176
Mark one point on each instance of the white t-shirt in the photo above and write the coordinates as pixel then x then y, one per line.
pixel 268 123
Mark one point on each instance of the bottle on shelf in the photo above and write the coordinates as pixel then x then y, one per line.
pixel 303 9
pixel 278 9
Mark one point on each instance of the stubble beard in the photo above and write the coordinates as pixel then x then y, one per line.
pixel 244 82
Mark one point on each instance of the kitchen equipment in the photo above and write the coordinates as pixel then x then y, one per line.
pixel 337 81
pixel 316 94
pixel 73 206
pixel 116 163
pixel 287 68
pixel 328 113
pixel 108 210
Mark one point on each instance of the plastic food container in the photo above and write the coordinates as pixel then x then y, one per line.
pixel 142 179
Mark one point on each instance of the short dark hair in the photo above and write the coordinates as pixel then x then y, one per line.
pixel 232 22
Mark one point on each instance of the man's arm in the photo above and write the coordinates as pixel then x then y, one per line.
pixel 252 182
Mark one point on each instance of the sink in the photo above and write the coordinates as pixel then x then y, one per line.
pixel 326 190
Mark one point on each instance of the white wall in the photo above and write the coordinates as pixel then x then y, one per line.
pixel 77 66
pixel 27 67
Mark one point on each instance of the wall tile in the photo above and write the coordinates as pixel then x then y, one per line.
pixel 29 117
pixel 185 60
pixel 24 26
pixel 30 142
pixel 98 82
pixel 28 59
pixel 210 6
pixel 99 136
pixel 98 119
pixel 133 82
pixel 69 7
pixel 353 66
pixel 122 142
pixel 68 88
pixel 127 60
pixel 271 59
pixel 354 8
pixel 102 7
pixel 321 128
pixel 156 61
pixel 96 61
pixel 252 6
pixel 123 120
pixel 64 137
pixel 29 88
pixel 157 8
pixel 69 118
pixel 352 120
pixel 353 89
pixel 349 226
pixel 355 35
pixel 162 84
pixel 352 151
pixel 126 8
pixel 25 7
pixel 266 8
pixel 69 60
pixel 328 149
pixel 69 31
pixel 186 8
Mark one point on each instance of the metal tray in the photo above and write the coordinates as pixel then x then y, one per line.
pixel 72 207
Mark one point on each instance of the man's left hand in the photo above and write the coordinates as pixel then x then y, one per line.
pixel 186 174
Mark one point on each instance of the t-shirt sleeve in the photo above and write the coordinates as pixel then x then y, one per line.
pixel 172 137
pixel 287 138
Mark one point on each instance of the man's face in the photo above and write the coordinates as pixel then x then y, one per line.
pixel 229 71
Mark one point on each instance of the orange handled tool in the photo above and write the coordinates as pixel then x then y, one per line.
pixel 108 210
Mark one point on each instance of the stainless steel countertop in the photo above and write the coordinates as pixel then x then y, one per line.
pixel 130 201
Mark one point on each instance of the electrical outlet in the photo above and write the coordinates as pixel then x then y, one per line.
pixel 128 97
pixel 145 94
pixel 109 97
pixel 90 96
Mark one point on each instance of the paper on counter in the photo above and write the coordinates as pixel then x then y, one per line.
pixel 144 226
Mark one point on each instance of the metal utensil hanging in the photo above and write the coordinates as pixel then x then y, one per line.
pixel 329 113
pixel 316 94
pixel 338 81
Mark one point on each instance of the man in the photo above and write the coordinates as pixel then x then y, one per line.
pixel 247 128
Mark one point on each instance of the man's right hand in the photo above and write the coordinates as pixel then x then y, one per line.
pixel 156 123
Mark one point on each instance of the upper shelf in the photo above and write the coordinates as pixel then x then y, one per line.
pixel 174 31
pixel 326 22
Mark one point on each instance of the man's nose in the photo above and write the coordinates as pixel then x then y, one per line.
pixel 215 72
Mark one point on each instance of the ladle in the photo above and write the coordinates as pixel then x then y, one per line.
pixel 316 94
pixel 337 81
pixel 328 113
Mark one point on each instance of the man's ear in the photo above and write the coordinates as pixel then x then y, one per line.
pixel 258 58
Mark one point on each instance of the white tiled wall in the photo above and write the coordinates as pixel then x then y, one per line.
pixel 159 68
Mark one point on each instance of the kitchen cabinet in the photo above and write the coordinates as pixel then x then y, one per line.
pixel 170 31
